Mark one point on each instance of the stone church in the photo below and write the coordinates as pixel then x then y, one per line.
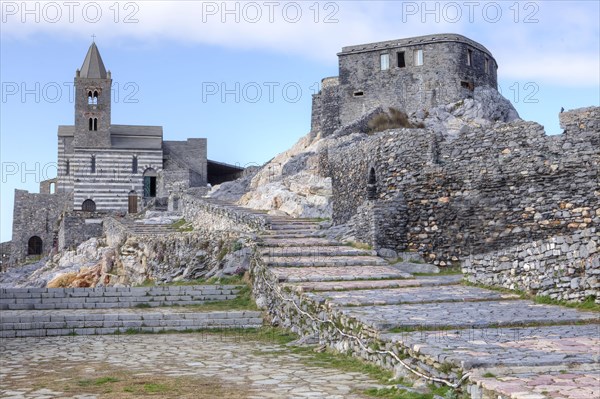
pixel 104 168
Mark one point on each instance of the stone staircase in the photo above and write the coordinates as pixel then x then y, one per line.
pixel 507 347
pixel 36 312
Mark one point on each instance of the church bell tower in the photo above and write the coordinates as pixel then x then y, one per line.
pixel 92 102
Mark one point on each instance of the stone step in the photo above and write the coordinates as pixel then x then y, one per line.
pixel 293 227
pixel 503 347
pixel 317 251
pixel 374 284
pixel 113 297
pixel 283 234
pixel 567 380
pixel 15 324
pixel 394 296
pixel 465 315
pixel 336 273
pixel 322 261
pixel 297 242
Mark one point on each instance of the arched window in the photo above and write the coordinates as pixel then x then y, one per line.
pixel 92 97
pixel 67 167
pixel 93 164
pixel 134 165
pixel 91 124
pixel 34 246
pixel 95 124
pixel 88 206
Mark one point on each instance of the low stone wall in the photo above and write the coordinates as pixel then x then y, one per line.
pixel 77 227
pixel 565 267
pixel 113 297
pixel 204 214
pixel 121 321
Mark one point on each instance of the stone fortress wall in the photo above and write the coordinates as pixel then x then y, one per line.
pixel 409 74
pixel 484 190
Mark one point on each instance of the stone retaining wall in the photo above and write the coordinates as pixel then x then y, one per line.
pixel 26 324
pixel 77 227
pixel 204 214
pixel 565 267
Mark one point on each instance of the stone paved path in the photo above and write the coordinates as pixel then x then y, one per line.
pixel 476 330
pixel 262 370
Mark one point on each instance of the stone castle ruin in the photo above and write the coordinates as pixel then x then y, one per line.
pixel 104 168
pixel 409 74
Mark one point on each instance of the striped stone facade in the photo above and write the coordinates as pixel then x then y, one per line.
pixel 102 167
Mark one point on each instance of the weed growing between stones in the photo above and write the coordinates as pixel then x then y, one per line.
pixel 589 304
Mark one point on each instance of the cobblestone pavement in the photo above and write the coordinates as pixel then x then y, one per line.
pixel 234 361
pixel 372 284
pixel 466 314
pixel 544 384
pixel 411 295
pixel 509 346
pixel 336 273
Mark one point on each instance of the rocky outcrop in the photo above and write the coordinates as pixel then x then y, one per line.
pixel 289 183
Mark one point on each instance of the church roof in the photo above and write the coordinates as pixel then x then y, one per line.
pixel 93 67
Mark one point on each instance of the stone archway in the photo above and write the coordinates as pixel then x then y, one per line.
pixel 150 183
pixel 88 206
pixel 34 246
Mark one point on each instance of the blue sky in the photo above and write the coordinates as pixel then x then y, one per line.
pixel 242 73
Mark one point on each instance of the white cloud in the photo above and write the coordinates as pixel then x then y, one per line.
pixel 562 45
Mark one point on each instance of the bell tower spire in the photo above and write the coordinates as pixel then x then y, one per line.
pixel 92 102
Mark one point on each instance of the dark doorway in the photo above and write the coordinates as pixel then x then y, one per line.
pixel 88 206
pixel 149 186
pixel 34 246
pixel 149 183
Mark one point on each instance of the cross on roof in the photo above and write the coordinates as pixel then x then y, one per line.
pixel 93 38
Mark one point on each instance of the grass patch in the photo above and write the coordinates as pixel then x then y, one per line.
pixel 316 220
pixel 489 375
pixel 395 393
pixel 444 271
pixel 111 381
pixel 399 393
pixel 227 280
pixel 182 226
pixel 358 245
pixel 97 381
pixel 587 305
pixel 243 301
pixel 393 119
